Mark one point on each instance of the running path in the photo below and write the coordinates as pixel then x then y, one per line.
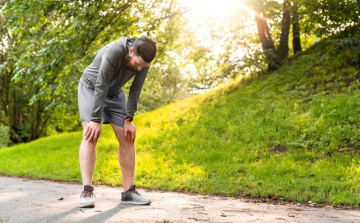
pixel 23 200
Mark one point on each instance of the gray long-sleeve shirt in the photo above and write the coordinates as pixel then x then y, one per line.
pixel 107 74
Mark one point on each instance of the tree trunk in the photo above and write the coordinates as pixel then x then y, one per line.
pixel 296 29
pixel 358 2
pixel 283 50
pixel 266 42
pixel 38 120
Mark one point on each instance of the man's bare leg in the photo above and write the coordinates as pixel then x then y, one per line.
pixel 127 163
pixel 126 157
pixel 87 154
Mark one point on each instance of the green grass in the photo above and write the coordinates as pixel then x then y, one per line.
pixel 294 133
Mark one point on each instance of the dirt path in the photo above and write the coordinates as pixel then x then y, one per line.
pixel 23 200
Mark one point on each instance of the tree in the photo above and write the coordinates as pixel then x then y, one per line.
pixel 283 49
pixel 266 41
pixel 274 55
pixel 309 19
pixel 51 42
pixel 12 96
pixel 328 17
pixel 296 28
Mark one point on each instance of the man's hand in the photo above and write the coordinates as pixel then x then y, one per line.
pixel 93 131
pixel 129 131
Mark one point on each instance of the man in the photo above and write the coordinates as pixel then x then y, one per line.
pixel 101 97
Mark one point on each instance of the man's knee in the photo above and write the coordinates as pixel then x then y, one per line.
pixel 89 143
pixel 126 144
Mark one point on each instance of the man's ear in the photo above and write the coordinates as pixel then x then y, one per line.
pixel 131 51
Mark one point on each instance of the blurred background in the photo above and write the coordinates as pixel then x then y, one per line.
pixel 46 44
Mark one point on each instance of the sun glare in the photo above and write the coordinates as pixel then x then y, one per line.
pixel 210 8
pixel 205 16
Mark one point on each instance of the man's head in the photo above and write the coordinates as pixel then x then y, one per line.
pixel 142 52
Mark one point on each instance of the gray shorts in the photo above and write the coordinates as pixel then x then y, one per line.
pixel 114 107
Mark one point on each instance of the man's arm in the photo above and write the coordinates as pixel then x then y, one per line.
pixel 134 94
pixel 135 90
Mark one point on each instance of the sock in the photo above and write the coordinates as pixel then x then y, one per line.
pixel 88 187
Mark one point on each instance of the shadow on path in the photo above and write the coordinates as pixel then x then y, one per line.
pixel 103 216
pixel 61 215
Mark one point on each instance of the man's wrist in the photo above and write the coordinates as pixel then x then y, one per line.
pixel 128 118
pixel 97 121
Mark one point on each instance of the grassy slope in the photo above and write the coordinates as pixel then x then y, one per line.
pixel 294 133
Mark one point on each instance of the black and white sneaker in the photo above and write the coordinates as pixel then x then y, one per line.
pixel 131 196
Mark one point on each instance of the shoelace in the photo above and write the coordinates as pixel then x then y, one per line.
pixel 88 193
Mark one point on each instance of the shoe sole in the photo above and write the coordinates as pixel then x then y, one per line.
pixel 87 205
pixel 137 203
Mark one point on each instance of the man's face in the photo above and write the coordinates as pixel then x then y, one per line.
pixel 134 62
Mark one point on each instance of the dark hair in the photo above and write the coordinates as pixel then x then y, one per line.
pixel 146 48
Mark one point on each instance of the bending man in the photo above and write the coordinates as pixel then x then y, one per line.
pixel 101 98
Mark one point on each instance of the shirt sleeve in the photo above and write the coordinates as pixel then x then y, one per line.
pixel 135 90
pixel 111 57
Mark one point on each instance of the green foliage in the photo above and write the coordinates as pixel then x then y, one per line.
pixel 294 134
pixel 169 88
pixel 317 19
pixel 49 43
pixel 328 17
pixel 4 137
